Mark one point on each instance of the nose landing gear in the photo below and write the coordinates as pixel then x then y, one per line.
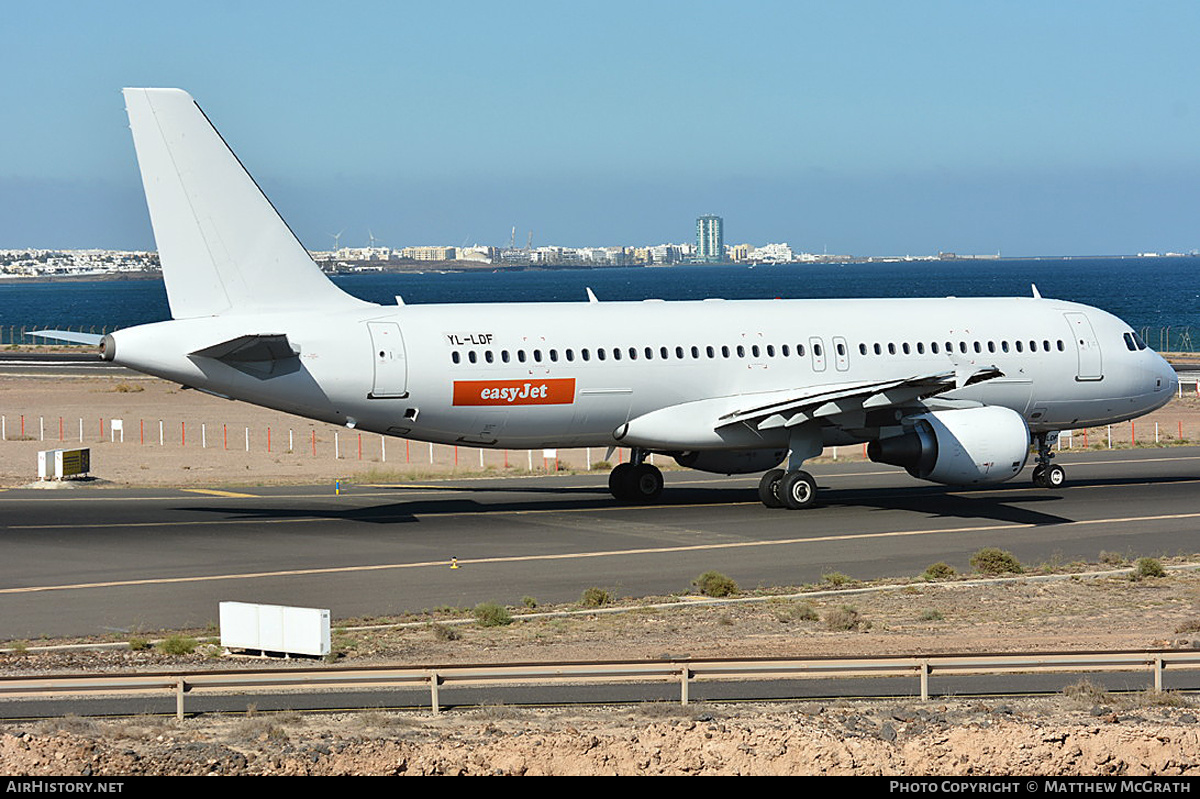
pixel 1047 474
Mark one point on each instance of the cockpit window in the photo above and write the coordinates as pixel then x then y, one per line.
pixel 1129 345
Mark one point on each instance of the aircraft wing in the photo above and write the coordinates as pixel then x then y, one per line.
pixel 807 405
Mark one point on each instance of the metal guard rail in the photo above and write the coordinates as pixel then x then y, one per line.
pixel 683 671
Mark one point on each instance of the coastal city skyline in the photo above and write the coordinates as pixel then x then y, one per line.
pixel 865 128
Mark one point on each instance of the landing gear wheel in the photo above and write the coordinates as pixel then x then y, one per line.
pixel 619 479
pixel 1047 474
pixel 768 488
pixel 798 490
pixel 646 483
pixel 641 483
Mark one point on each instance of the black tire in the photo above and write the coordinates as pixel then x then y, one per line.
pixel 1054 476
pixel 645 483
pixel 768 488
pixel 1039 476
pixel 620 481
pixel 798 490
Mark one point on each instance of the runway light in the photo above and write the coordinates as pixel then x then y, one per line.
pixel 453 563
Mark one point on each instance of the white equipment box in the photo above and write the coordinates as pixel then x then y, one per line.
pixel 275 628
pixel 55 464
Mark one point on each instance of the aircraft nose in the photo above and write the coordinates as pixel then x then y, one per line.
pixel 1168 376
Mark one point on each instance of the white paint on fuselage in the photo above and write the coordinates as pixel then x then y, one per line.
pixel 336 361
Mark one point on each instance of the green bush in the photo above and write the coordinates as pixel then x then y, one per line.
pixel 529 602
pixel 715 584
pixel 138 644
pixel 1148 567
pixel 595 598
pixel 991 560
pixel 938 571
pixel 837 579
pixel 178 645
pixel 489 614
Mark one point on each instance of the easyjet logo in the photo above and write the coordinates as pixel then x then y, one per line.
pixel 560 391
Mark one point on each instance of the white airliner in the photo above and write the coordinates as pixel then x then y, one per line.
pixel 950 389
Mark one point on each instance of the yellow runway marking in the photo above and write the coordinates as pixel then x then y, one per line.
pixel 214 492
pixel 585 555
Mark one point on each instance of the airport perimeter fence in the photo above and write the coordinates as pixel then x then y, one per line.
pixel 356 451
pixel 20 335
pixel 1162 339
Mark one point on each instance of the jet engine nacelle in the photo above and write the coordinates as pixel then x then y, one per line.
pixel 969 446
pixel 742 461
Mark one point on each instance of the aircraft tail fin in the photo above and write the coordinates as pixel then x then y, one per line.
pixel 223 246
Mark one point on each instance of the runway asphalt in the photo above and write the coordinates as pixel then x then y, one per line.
pixel 91 560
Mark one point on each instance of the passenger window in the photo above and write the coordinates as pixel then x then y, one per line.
pixel 537 355
pixel 471 356
pixel 906 348
pixel 724 352
pixel 770 350
pixel 454 357
pixel 487 356
pixel 600 355
pixel 784 350
pixel 741 351
pixel 521 356
pixel 754 350
pixel 920 348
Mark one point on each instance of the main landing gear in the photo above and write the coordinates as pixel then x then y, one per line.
pixel 636 481
pixel 794 490
pixel 1047 474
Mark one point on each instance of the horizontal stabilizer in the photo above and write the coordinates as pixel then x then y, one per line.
pixel 66 335
pixel 250 349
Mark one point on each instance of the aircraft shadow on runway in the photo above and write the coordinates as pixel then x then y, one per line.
pixel 997 504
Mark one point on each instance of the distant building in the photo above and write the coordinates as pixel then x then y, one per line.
pixel 710 239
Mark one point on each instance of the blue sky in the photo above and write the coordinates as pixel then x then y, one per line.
pixel 858 127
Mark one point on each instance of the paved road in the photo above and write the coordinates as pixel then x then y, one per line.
pixel 92 560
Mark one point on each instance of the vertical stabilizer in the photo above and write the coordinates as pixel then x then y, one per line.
pixel 223 246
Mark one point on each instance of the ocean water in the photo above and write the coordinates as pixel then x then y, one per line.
pixel 1151 294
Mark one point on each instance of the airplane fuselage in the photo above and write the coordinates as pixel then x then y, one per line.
pixel 527 375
